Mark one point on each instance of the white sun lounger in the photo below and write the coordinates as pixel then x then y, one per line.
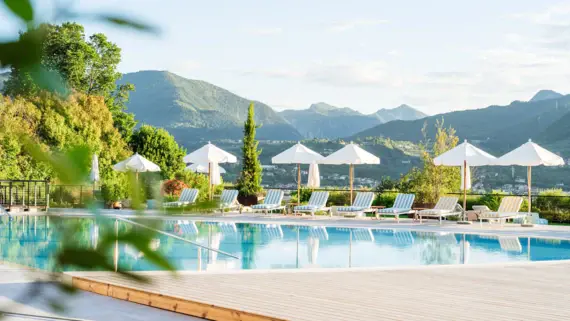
pixel 317 202
pixel 509 208
pixel 402 205
pixel 187 197
pixel 446 206
pixel 362 204
pixel 272 202
pixel 228 200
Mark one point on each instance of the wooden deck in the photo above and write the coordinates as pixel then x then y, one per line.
pixel 526 291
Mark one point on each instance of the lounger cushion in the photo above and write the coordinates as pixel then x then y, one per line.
pixel 350 208
pixel 434 212
pixel 307 208
pixel 264 206
pixel 393 210
pixel 499 214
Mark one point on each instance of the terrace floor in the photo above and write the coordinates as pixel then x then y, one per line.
pixel 529 291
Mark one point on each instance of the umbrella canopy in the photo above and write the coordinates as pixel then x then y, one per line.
pixel 530 154
pixel 350 154
pixel 314 179
pixel 94 174
pixel 210 153
pixel 462 153
pixel 203 168
pixel 136 163
pixel 465 155
pixel 297 154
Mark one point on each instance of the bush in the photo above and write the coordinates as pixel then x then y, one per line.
pixel 385 199
pixel 173 187
pixel 114 190
pixel 339 199
pixel 305 195
pixel 198 181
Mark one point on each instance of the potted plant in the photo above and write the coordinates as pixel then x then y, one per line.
pixel 249 182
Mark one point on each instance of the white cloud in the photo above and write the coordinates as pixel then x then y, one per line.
pixel 352 24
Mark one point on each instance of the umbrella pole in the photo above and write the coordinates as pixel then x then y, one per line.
pixel 298 184
pixel 527 222
pixel 350 177
pixel 464 189
pixel 210 180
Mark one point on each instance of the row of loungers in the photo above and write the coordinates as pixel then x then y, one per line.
pixel 445 207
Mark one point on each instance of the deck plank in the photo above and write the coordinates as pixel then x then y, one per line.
pixel 530 291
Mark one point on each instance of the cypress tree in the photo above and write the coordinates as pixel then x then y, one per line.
pixel 249 182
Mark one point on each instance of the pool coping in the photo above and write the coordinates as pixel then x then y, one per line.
pixel 336 223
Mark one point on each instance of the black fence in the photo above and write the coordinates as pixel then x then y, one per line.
pixel 22 195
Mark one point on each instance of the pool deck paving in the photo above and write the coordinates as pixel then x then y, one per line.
pixel 17 283
pixel 529 291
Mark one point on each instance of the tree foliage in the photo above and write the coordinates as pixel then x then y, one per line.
pixel 56 125
pixel 431 181
pixel 249 182
pixel 83 65
pixel 158 146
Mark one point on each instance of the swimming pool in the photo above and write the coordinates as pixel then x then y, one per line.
pixel 33 241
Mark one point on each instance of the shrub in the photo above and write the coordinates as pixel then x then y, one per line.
pixel 339 199
pixel 385 199
pixel 173 187
pixel 305 195
pixel 114 190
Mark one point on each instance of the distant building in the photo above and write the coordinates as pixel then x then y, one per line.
pixel 268 167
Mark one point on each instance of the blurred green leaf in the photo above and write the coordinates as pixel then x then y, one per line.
pixel 126 22
pixel 71 167
pixel 21 8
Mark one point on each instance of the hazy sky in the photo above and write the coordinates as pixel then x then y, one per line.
pixel 366 54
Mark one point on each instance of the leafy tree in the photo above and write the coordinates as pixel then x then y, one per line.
pixel 158 146
pixel 87 66
pixel 56 125
pixel 431 181
pixel 249 182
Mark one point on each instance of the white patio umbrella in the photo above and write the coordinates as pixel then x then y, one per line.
pixel 351 155
pixel 137 164
pixel 465 155
pixel 94 174
pixel 314 179
pixel 297 154
pixel 530 154
pixel 210 154
pixel 203 168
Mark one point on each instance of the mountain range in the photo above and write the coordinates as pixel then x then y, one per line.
pixel 322 120
pixel 498 128
pixel 194 109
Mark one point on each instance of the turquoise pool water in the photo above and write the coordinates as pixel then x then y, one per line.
pixel 34 241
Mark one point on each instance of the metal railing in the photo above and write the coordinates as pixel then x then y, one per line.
pixel 175 236
pixel 26 316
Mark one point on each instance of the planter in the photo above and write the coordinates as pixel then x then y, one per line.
pixel 248 200
pixel 117 205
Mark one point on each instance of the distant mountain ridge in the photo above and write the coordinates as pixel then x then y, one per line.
pixel 195 109
pixel 498 128
pixel 322 120
pixel 546 95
